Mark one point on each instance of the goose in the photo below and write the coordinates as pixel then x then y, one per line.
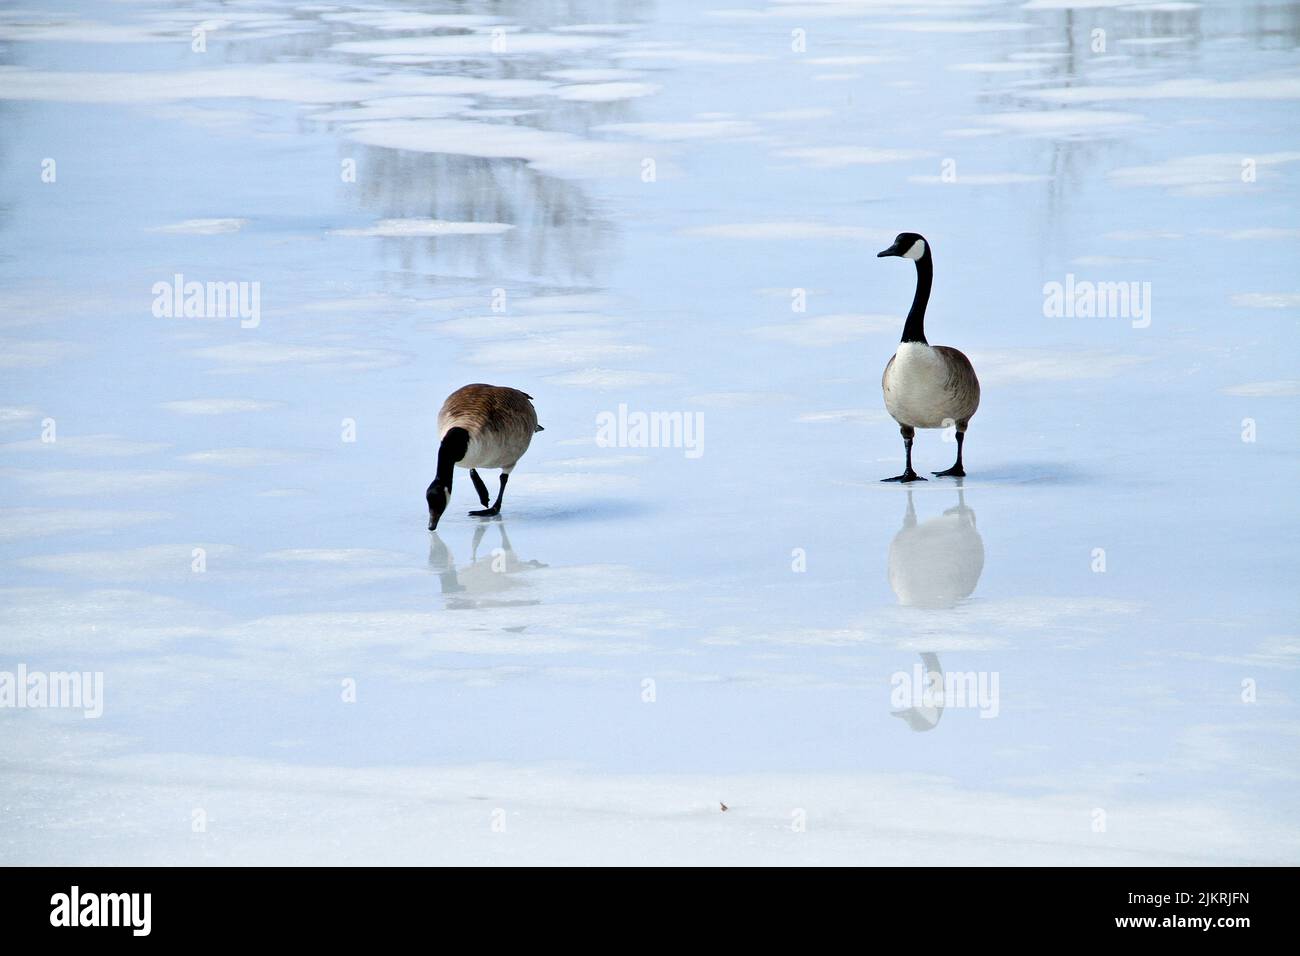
pixel 480 426
pixel 926 386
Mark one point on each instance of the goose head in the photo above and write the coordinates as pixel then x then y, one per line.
pixel 908 245
pixel 437 496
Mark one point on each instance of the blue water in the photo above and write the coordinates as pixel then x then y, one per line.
pixel 1160 691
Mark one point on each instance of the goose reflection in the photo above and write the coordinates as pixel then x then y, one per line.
pixel 486 581
pixel 934 564
pixel 926 714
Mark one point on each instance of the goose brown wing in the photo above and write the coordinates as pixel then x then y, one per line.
pixel 962 383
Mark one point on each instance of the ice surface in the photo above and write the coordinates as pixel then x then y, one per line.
pixel 631 211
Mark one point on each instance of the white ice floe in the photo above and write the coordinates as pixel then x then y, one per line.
pixel 1110 260
pixel 1001 66
pixel 954 26
pixel 154 562
pixel 1011 366
pixel 1267 300
pixel 404 20
pixel 13 415
pixel 768 231
pixel 1280 389
pixel 498 325
pixel 667 52
pixel 1260 88
pixel 845 416
pixel 350 557
pixel 520 814
pixel 825 331
pixel 604 379
pixel 556 350
pixel 581 302
pixel 18 524
pixel 396 107
pixel 796 115
pixel 1062 122
pixel 614 28
pixel 218 406
pixel 562 154
pixel 244 457
pixel 1073 4
pixel 581 75
pixel 831 157
pixel 48 619
pixel 202 227
pixel 482 45
pixel 288 83
pixel 608 461
pixel 425 229
pixel 856 60
pixel 16 353
pixel 685 130
pixel 605 92
pixel 1254 234
pixel 1206 173
pixel 736 399
pixel 1143 235
pixel 246 356
pixel 106 484
pixel 981 179
pixel 87 446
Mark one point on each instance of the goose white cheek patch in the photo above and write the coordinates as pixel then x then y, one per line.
pixel 917 250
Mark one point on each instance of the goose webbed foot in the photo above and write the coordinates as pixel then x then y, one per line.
pixel 487 512
pixel 906 476
pixel 956 471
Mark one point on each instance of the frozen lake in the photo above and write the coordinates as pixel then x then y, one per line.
pixel 659 208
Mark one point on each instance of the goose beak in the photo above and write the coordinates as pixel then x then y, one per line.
pixel 436 497
pixel 891 251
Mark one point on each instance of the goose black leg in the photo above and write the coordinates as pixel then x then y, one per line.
pixel 908 433
pixel 956 471
pixel 479 487
pixel 496 505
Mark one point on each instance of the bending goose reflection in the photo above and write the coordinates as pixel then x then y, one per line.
pixel 925 715
pixel 934 564
pixel 485 581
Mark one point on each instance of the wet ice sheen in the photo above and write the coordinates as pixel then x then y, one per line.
pixel 645 634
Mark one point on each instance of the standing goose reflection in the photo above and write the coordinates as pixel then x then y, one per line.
pixel 934 564
pixel 485 581
pixel 938 562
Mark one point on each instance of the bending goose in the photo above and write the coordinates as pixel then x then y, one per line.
pixel 480 426
pixel 926 386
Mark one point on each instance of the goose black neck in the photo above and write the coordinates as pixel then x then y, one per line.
pixel 914 328
pixel 454 445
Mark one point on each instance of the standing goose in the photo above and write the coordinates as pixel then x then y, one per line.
pixel 481 426
pixel 926 386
